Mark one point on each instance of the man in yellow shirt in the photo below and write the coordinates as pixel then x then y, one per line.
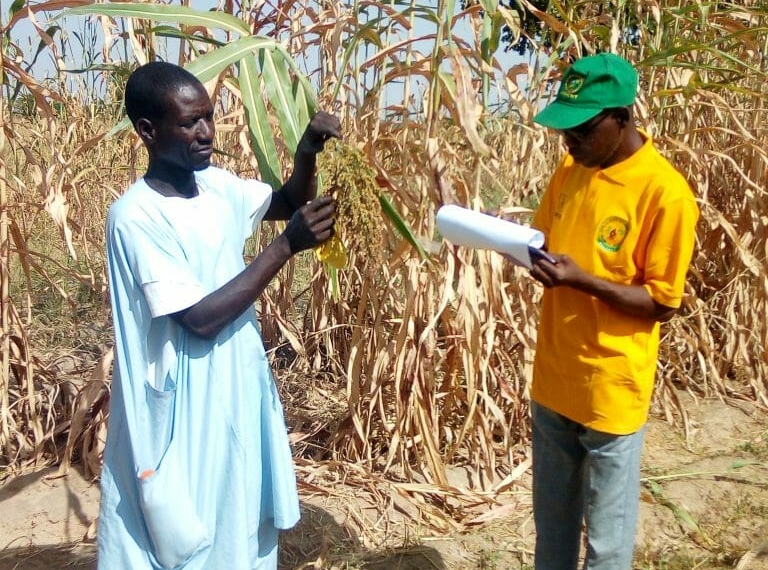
pixel 619 221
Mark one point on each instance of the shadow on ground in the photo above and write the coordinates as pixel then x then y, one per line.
pixel 48 557
pixel 317 542
pixel 320 542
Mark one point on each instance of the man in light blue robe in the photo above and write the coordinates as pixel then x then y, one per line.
pixel 198 472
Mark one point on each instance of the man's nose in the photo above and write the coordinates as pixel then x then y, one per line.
pixel 206 129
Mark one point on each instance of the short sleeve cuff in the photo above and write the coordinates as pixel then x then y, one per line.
pixel 663 297
pixel 260 196
pixel 166 298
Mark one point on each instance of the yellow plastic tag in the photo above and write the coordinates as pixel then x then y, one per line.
pixel 333 252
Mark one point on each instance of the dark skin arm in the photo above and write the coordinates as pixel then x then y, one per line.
pixel 633 300
pixel 301 187
pixel 310 226
pixel 310 223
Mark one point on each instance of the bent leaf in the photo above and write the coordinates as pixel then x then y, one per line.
pixel 401 225
pixel 163 13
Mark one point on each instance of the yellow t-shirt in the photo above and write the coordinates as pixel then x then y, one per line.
pixel 631 223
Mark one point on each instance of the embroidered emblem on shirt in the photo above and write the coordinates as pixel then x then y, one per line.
pixel 612 233
pixel 572 86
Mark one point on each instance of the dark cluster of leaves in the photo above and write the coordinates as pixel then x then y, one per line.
pixel 532 28
pixel 530 25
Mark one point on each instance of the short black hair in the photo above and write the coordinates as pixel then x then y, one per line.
pixel 148 85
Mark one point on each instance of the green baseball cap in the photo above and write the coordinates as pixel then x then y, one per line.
pixel 590 85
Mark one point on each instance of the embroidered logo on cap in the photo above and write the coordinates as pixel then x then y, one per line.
pixel 612 233
pixel 572 86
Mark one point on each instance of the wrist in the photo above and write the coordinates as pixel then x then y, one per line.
pixel 307 148
pixel 285 248
pixel 585 283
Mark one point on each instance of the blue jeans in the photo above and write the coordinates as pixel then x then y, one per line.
pixel 585 475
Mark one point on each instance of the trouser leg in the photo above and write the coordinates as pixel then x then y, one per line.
pixel 557 489
pixel 612 498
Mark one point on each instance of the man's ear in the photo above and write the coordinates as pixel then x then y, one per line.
pixel 145 129
pixel 622 116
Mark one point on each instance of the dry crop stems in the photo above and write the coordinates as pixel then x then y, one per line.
pixel 451 366
pixel 429 381
pixel 53 222
pixel 422 364
pixel 712 107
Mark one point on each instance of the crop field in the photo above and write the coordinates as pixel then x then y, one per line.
pixel 403 375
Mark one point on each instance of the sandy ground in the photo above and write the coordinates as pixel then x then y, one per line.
pixel 704 507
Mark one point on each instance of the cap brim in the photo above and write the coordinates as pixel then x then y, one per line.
pixel 561 116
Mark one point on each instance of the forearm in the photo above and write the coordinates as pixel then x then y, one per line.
pixel 301 186
pixel 632 300
pixel 215 311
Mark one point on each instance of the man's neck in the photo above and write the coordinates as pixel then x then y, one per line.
pixel 632 141
pixel 180 184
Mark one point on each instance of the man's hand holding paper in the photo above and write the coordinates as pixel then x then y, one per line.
pixel 521 244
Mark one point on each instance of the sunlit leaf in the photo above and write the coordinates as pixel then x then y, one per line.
pixel 262 140
pixel 164 13
pixel 210 64
pixel 278 87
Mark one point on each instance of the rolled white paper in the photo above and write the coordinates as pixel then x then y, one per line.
pixel 469 228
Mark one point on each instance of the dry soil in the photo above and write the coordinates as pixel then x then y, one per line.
pixel 704 507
